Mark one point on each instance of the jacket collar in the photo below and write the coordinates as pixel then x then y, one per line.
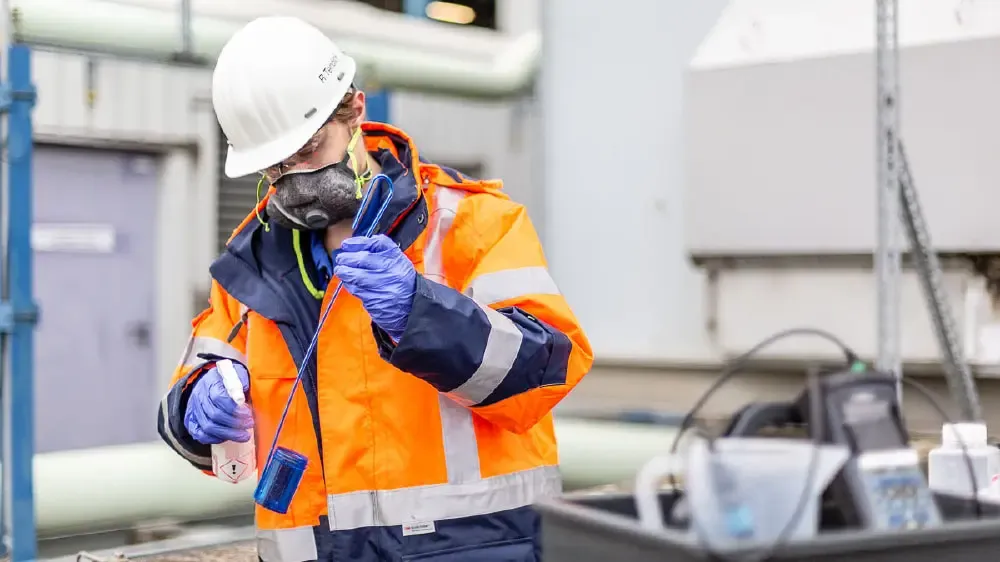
pixel 267 253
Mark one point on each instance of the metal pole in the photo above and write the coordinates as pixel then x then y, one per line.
pixel 379 99
pixel 20 314
pixel 887 252
pixel 187 34
pixel 957 373
pixel 6 28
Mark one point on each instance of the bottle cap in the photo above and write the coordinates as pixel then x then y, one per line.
pixel 955 435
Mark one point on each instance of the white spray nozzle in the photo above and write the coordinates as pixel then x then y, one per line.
pixel 231 380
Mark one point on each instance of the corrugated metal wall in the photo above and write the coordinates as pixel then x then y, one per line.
pixel 236 197
pixel 96 97
pixel 101 99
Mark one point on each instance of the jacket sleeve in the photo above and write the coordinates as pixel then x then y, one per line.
pixel 506 343
pixel 216 334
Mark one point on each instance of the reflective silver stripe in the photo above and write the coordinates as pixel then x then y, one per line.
pixel 446 203
pixel 286 545
pixel 498 286
pixel 175 443
pixel 202 344
pixel 502 346
pixel 442 501
pixel 190 361
pixel 461 450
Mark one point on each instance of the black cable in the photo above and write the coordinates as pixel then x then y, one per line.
pixel 815 420
pixel 734 367
pixel 816 425
pixel 766 552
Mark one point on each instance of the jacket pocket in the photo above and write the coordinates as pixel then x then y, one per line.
pixel 516 550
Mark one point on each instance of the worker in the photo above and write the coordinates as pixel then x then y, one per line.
pixel 425 413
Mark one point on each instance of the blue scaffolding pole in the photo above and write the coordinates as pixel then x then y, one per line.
pixel 18 312
pixel 416 8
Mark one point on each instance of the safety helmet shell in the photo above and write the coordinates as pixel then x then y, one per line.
pixel 276 82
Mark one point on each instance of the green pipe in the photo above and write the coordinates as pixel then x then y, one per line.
pixel 149 32
pixel 594 452
pixel 110 488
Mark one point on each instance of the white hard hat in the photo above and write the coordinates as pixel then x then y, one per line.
pixel 275 84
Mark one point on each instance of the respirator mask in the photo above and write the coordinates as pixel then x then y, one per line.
pixel 318 198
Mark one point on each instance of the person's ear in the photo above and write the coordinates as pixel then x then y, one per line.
pixel 358 109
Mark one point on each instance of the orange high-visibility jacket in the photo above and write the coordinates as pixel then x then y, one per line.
pixel 434 447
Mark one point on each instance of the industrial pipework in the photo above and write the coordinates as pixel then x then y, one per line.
pixel 396 52
pixel 100 489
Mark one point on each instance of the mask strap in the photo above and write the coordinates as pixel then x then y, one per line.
pixel 359 179
pixel 256 207
pixel 297 245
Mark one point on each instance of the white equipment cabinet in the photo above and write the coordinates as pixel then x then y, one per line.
pixel 780 163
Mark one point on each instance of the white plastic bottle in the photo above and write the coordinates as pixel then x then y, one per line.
pixel 232 461
pixel 948 465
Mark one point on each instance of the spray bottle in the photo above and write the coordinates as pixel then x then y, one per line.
pixel 231 461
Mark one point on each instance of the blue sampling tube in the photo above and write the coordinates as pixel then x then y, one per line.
pixel 284 467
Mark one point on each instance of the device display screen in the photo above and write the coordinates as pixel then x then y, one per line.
pixel 870 422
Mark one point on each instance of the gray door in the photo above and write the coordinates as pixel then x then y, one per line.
pixel 94 239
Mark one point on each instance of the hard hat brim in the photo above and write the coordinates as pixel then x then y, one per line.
pixel 241 163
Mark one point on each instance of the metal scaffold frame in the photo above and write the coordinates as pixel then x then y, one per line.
pixel 887 253
pixel 18 312
pixel 898 201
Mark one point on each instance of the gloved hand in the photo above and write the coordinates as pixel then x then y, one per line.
pixel 377 272
pixel 212 416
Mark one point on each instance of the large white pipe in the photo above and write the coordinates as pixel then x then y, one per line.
pixel 413 55
pixel 111 488
pixel 348 21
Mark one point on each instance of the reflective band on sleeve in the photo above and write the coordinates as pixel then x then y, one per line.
pixel 437 502
pixel 461 450
pixel 445 208
pixel 202 344
pixel 502 347
pixel 286 545
pixel 176 443
pixel 189 362
pixel 498 286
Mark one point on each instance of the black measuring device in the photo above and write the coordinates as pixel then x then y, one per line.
pixel 882 486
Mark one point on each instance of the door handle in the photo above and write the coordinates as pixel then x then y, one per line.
pixel 140 334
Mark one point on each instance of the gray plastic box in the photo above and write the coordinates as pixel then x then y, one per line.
pixel 602 528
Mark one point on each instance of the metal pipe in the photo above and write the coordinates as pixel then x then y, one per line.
pixel 347 21
pixel 421 56
pixel 111 488
pixel 597 452
pixel 888 257
pixel 20 314
pixel 186 35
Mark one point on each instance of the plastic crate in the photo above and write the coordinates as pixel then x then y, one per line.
pixel 603 527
